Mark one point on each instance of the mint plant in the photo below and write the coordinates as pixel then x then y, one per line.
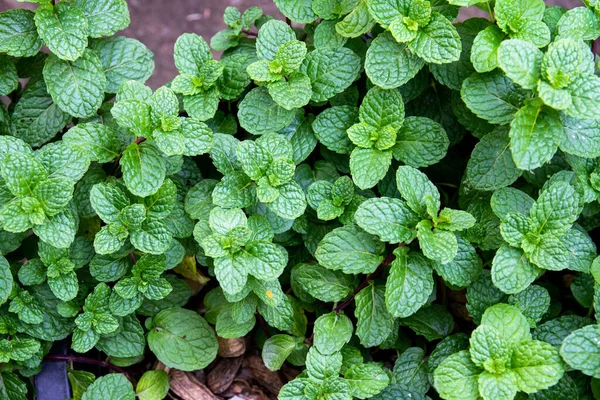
pixel 383 202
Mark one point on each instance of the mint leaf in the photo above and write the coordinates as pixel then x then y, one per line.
pixel 113 386
pixel 182 339
pixel 409 284
pixel 63 28
pixel 143 169
pixel 438 42
pixel 106 18
pixel 350 250
pixel 18 35
pixel 580 350
pixel 330 71
pixel 77 87
pixel 390 64
pixel 374 323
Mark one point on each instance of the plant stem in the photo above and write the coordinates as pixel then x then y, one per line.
pixel 140 140
pixel 248 33
pixel 368 279
pixel 85 360
pixel 132 257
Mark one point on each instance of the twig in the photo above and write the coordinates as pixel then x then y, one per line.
pixel 139 140
pixel 85 360
pixel 132 257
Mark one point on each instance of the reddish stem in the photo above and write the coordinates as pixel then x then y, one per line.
pixel 132 257
pixel 85 360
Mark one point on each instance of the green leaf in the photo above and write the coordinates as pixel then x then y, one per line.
pixel 106 18
pixel 457 377
pixel 322 283
pixel 381 108
pixel 234 190
pixel 464 269
pixel 98 141
pixel 556 209
pixel 182 339
pixel 420 142
pixel 369 166
pixel 331 71
pixel 111 386
pixel 123 59
pixel 358 22
pixel 534 136
pixel 409 284
pixel 437 244
pixel 331 332
pixel 390 64
pixel 579 23
pixel 331 125
pixel 293 92
pixel 581 351
pixel 6 281
pixel 350 250
pixel 511 270
pixel 585 97
pixel 410 369
pixel 297 11
pixel 580 137
pixel 276 349
pixel 418 191
pixel 129 340
pixel 508 320
pixel 374 323
pixel 77 87
pixel 36 118
pixel 258 113
pixel 191 52
pixel 63 28
pixel 484 53
pixel 291 202
pixel 143 169
pixel 388 218
pixel 492 97
pixel 521 62
pixel 22 173
pixel 366 380
pixel 153 237
pixel 271 36
pixel 18 33
pixel 9 81
pixel 491 165
pixel 497 386
pixel 536 365
pixel 153 385
pixel 437 42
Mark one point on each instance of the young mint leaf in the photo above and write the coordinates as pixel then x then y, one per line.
pixel 153 384
pixel 437 42
pixel 521 62
pixel 366 380
pixel 457 377
pixel 259 113
pixel 276 349
pixel 332 331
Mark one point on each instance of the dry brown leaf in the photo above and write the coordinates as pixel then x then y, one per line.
pixel 222 375
pixel 187 387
